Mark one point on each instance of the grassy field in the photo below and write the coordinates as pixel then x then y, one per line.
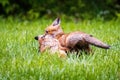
pixel 20 60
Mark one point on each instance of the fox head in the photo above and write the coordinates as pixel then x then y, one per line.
pixel 55 28
pixel 47 42
pixel 44 41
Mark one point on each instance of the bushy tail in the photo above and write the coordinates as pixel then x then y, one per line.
pixel 94 41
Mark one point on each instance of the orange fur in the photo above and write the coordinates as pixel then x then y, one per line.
pixel 75 41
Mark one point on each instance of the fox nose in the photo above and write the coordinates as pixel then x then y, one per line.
pixel 36 38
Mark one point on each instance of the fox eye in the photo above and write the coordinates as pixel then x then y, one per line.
pixel 46 31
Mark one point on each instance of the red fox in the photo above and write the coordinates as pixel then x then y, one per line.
pixel 52 44
pixel 78 41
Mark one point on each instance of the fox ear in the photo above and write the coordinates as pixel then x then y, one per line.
pixel 56 22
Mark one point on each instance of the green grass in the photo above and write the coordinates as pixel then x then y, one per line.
pixel 20 60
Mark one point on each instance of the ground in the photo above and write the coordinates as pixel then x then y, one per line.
pixel 20 59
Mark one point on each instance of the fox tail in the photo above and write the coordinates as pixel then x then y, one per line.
pixel 94 41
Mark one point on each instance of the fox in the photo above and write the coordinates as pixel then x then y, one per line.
pixel 51 44
pixel 74 41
